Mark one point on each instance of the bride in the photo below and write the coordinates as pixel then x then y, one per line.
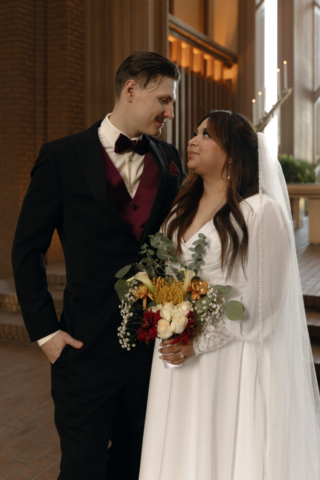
pixel 244 404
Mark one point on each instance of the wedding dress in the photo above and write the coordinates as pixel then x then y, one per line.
pixel 246 407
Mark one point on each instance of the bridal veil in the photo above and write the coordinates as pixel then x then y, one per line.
pixel 290 402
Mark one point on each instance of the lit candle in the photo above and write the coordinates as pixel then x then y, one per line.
pixel 259 106
pixel 285 76
pixel 254 112
pixel 279 83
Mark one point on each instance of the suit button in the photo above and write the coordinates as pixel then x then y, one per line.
pixel 134 207
pixel 142 225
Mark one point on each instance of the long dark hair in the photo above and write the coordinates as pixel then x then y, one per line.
pixel 237 137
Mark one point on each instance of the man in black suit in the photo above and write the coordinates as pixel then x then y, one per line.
pixel 104 190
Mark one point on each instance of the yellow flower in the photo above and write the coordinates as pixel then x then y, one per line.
pixel 168 290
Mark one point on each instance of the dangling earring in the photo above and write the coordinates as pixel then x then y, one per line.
pixel 229 171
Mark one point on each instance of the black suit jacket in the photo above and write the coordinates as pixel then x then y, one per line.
pixel 68 192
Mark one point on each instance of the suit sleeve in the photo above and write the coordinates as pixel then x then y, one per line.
pixel 41 213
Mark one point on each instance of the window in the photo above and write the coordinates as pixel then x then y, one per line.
pixel 266 55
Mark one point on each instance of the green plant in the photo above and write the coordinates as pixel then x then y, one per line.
pixel 296 171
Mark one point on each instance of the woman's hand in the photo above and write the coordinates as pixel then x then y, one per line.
pixel 186 350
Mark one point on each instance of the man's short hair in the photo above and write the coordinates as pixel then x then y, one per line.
pixel 143 67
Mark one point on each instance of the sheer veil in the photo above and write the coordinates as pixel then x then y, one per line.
pixel 290 402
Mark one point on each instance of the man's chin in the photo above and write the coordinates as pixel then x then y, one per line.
pixel 155 132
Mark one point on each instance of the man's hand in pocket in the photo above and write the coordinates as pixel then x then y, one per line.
pixel 53 348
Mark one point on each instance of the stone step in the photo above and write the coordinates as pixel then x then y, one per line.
pixel 9 301
pixel 313 321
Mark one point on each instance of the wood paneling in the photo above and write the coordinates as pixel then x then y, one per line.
pixel 202 89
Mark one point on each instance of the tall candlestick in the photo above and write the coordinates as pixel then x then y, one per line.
pixel 279 83
pixel 285 76
pixel 254 112
pixel 259 106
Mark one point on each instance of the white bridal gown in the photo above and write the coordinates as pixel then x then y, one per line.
pixel 204 419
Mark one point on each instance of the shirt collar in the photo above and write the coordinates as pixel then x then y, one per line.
pixel 111 133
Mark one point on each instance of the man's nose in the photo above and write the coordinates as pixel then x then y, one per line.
pixel 169 113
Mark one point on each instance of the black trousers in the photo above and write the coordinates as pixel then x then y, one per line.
pixel 97 399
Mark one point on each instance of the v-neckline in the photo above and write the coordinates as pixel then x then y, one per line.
pixel 196 233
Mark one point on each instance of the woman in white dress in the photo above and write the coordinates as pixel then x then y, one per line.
pixel 244 404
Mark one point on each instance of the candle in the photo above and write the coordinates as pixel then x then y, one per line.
pixel 279 83
pixel 285 76
pixel 254 112
pixel 259 106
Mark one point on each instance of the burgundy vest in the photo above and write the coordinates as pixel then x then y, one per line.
pixel 135 211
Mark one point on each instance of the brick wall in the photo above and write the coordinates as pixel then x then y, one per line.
pixel 42 84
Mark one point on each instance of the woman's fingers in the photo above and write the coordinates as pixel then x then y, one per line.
pixel 171 349
pixel 172 358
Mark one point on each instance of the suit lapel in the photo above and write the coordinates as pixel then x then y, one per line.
pixel 162 163
pixel 90 155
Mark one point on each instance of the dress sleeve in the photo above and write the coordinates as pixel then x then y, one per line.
pixel 275 257
pixel 214 336
pixel 270 267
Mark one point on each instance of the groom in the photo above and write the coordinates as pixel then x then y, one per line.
pixel 104 190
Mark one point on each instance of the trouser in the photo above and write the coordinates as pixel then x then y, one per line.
pixel 97 399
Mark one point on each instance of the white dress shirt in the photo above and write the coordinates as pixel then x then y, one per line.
pixel 129 164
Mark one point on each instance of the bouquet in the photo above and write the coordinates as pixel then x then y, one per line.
pixel 164 301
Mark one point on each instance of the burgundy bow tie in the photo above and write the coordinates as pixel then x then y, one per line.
pixel 124 143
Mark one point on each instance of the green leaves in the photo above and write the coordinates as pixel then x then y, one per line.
pixel 234 310
pixel 123 271
pixel 163 245
pixel 122 288
pixel 222 289
pixel 198 251
pixel 203 304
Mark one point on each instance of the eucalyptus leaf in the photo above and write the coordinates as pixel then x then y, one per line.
pixel 222 289
pixel 151 252
pixel 123 271
pixel 159 240
pixel 180 276
pixel 201 235
pixel 199 249
pixel 162 254
pixel 122 288
pixel 201 242
pixel 202 304
pixel 173 259
pixel 174 270
pixel 234 310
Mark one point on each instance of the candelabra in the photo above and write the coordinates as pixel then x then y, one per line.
pixel 267 116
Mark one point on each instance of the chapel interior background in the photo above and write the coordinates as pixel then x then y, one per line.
pixel 58 61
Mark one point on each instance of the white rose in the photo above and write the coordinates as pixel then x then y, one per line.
pixel 168 309
pixel 179 322
pixel 185 307
pixel 164 330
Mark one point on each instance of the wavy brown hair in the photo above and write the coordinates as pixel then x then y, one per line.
pixel 237 137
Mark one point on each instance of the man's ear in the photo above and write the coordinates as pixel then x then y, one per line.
pixel 130 90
